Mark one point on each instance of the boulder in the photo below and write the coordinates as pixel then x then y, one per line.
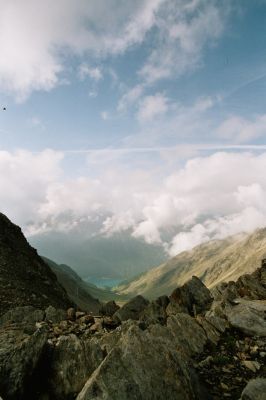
pixel 71 362
pixel 248 316
pixel 55 315
pixel 109 308
pixel 143 365
pixel 132 309
pixel 26 315
pixel 19 355
pixel 154 313
pixel 255 390
pixel 193 297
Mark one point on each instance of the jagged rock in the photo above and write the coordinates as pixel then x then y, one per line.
pixel 132 309
pixel 109 308
pixel 249 317
pixel 26 314
pixel 97 326
pixel 19 356
pixel 71 362
pixel 162 301
pixel 87 319
pixel 54 315
pixel 154 313
pixel 189 335
pixel 255 390
pixel 210 330
pixel 71 314
pixel 193 297
pixel 144 365
pixel 252 365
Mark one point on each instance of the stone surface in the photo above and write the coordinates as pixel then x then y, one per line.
pixel 109 308
pixel 249 317
pixel 143 365
pixel 54 315
pixel 132 309
pixel 154 313
pixel 26 314
pixel 193 297
pixel 71 363
pixel 19 355
pixel 255 390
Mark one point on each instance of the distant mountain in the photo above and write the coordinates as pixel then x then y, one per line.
pixel 25 279
pixel 117 257
pixel 213 262
pixel 88 297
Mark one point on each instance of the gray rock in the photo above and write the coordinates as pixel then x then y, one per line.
pixel 109 308
pixel 154 313
pixel 71 363
pixel 193 297
pixel 26 314
pixel 144 365
pixel 55 315
pixel 132 309
pixel 255 390
pixel 188 334
pixel 19 355
pixel 249 317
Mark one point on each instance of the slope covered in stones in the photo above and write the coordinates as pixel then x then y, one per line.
pixel 193 345
pixel 213 262
pixel 25 279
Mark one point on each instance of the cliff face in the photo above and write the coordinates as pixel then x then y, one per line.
pixel 25 279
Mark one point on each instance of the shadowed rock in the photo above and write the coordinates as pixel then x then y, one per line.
pixel 132 309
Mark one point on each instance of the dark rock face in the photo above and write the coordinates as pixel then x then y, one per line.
pixel 19 355
pixel 25 279
pixel 109 308
pixel 132 309
pixel 193 297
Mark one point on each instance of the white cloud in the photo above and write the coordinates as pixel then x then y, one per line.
pixel 36 37
pixel 24 179
pixel 152 106
pixel 241 130
pixel 130 97
pixel 185 29
pixel 208 197
pixel 94 73
pixel 105 115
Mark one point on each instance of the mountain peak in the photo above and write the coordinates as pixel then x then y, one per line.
pixel 25 279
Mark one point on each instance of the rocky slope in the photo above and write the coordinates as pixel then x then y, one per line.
pixel 213 262
pixel 25 279
pixel 86 296
pixel 193 345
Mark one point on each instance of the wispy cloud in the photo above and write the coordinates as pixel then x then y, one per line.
pixel 91 31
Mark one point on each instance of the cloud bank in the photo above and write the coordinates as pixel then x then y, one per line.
pixel 208 197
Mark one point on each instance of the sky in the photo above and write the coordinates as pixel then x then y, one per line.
pixel 147 116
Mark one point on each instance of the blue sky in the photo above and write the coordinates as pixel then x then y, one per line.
pixel 109 101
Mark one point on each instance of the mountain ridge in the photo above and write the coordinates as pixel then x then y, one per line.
pixel 213 262
pixel 25 279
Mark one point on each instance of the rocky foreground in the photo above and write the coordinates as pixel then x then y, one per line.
pixel 195 344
